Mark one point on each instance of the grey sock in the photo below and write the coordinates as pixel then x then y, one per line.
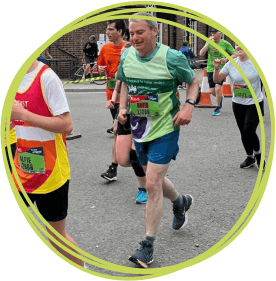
pixel 150 239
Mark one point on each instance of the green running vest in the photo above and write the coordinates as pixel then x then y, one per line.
pixel 151 81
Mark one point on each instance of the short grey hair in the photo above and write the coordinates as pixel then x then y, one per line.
pixel 150 23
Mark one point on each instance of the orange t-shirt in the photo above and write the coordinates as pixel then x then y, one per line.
pixel 110 57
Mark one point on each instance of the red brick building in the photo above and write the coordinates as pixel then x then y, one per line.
pixel 68 48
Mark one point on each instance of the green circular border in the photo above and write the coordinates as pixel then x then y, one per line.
pixel 261 181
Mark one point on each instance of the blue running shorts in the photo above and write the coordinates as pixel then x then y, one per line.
pixel 159 151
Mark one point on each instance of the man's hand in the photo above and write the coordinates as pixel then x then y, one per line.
pixel 122 116
pixel 101 69
pixel 211 37
pixel 110 104
pixel 17 111
pixel 184 116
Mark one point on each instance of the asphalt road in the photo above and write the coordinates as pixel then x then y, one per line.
pixel 103 217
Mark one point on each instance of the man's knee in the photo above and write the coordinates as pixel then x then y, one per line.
pixel 123 160
pixel 154 184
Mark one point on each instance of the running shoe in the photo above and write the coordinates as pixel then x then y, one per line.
pixel 220 105
pixel 180 218
pixel 142 196
pixel 248 162
pixel 143 256
pixel 110 131
pixel 216 112
pixel 110 174
pixel 258 158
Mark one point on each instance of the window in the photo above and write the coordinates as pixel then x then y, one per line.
pixel 190 37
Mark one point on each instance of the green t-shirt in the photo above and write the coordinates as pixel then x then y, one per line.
pixel 177 63
pixel 213 53
pixel 152 89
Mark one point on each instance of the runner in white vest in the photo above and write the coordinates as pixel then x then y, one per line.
pixel 149 74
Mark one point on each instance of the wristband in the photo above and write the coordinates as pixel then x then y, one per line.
pixel 190 101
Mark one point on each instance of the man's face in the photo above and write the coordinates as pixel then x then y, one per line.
pixel 216 35
pixel 141 36
pixel 112 33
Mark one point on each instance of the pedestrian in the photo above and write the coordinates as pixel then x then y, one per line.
pixel 108 62
pixel 90 50
pixel 43 57
pixel 243 104
pixel 188 53
pixel 41 116
pixel 125 150
pixel 149 72
pixel 213 53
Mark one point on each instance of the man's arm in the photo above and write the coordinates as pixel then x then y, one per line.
pixel 184 116
pixel 60 124
pixel 115 95
pixel 231 51
pixel 123 103
pixel 203 51
pixel 101 63
pixel 225 60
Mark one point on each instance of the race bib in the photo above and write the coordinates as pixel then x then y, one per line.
pixel 144 106
pixel 32 161
pixel 111 83
pixel 242 91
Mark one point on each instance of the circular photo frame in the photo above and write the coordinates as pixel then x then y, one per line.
pixel 102 15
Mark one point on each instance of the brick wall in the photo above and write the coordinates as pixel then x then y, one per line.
pixel 74 41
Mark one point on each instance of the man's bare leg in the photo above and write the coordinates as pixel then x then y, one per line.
pixel 218 94
pixel 115 126
pixel 155 177
pixel 169 191
pixel 124 145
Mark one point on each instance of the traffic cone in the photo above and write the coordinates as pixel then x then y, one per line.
pixel 226 88
pixel 205 96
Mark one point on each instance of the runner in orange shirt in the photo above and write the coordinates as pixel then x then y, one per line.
pixel 108 63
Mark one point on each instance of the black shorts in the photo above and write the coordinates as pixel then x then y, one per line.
pixel 115 111
pixel 211 82
pixel 52 206
pixel 124 129
pixel 89 59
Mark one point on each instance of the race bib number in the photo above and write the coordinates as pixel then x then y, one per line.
pixel 111 83
pixel 242 91
pixel 144 106
pixel 32 161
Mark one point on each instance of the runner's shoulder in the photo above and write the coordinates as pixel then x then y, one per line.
pixel 175 56
pixel 123 56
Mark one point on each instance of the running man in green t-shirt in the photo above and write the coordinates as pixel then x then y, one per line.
pixel 149 72
pixel 213 53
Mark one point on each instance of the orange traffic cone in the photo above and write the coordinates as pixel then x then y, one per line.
pixel 205 96
pixel 226 88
